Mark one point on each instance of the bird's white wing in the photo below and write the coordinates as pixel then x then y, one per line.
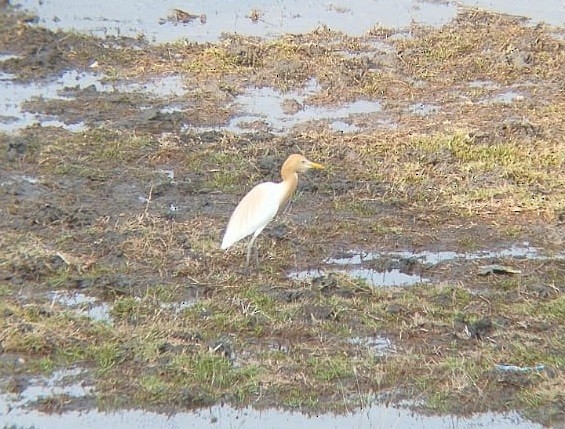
pixel 253 212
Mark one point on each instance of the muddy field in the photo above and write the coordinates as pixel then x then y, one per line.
pixel 426 263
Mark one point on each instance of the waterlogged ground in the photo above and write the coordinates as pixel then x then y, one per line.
pixel 423 270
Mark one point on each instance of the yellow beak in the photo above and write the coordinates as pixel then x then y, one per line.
pixel 316 166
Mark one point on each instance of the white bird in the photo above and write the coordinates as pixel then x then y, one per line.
pixel 263 202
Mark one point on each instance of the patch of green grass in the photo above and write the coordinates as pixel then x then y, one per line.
pixel 259 302
pixel 214 373
pixel 152 387
pixel 225 181
pixel 554 310
pixel 163 293
pixel 451 170
pixel 44 365
pixel 295 397
pixel 439 401
pixel 209 369
pixel 106 355
pixel 229 172
pixel 62 277
pixel 329 368
pixel 508 284
pixel 71 354
pixel 526 351
pixel 545 404
pixel 5 290
pixel 131 310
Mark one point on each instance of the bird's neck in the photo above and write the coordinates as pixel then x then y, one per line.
pixel 289 182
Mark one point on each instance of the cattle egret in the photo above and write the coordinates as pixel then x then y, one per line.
pixel 262 203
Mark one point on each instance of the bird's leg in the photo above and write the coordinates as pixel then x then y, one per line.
pixel 249 247
pixel 287 207
pixel 257 256
pixel 248 252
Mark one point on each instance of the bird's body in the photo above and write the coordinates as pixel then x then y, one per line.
pixel 262 203
pixel 253 212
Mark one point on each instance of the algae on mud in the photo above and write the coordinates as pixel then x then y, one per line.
pixel 94 211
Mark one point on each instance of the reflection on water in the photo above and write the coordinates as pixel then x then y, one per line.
pixel 360 265
pixel 150 18
pixel 524 251
pixel 15 94
pixel 423 109
pixel 61 382
pixel 83 305
pixel 226 417
pixel 267 106
pixel 506 97
pixel 380 346
pixel 375 277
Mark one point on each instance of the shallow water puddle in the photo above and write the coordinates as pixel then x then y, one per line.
pixel 380 346
pixel 281 111
pixel 205 21
pixel 177 307
pixel 83 305
pixel 355 264
pixel 61 382
pixel 15 94
pixel 507 97
pixel 524 251
pixel 224 417
pixel 99 311
pixel 16 410
pixel 274 109
pixel 344 127
pixel 423 109
pixel 391 277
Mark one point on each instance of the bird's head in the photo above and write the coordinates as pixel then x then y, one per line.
pixel 299 163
